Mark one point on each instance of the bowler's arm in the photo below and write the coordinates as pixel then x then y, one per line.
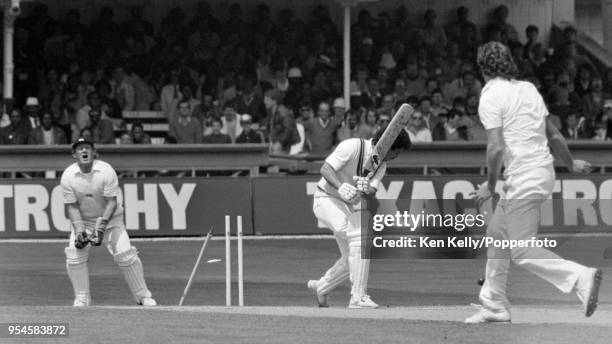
pixel 495 153
pixel 559 145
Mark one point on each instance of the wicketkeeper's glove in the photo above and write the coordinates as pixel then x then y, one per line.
pixel 97 236
pixel 81 239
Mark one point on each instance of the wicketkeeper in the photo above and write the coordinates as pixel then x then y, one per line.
pixel 91 191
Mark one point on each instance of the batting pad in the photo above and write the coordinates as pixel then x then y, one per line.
pixel 76 265
pixel 131 268
pixel 359 268
pixel 335 276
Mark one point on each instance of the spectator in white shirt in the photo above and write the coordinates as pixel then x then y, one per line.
pixel 170 96
pixel 417 129
pixel 122 90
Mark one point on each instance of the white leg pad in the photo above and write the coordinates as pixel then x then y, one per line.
pixel 76 265
pixel 335 276
pixel 132 270
pixel 359 268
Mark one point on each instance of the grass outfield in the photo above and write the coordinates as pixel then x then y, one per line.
pixel 423 301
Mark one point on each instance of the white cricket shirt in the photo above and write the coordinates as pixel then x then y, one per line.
pixel 89 189
pixel 344 161
pixel 517 107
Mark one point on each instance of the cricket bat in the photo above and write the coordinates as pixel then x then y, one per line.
pixel 397 124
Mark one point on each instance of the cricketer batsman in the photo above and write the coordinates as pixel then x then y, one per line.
pixel 519 133
pixel 91 190
pixel 340 188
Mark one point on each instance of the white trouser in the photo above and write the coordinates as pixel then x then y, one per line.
pixel 118 244
pixel 518 219
pixel 344 222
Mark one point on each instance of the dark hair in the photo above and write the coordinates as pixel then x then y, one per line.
pixel 229 104
pixel 532 28
pixel 425 98
pixel 452 113
pixel 437 90
pixel 459 99
pixel 495 60
pixel 569 30
pixel 137 124
pixel 401 142
pixel 412 100
pixel 183 101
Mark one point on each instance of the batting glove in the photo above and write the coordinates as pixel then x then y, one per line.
pixel 347 192
pixel 362 184
pixel 97 236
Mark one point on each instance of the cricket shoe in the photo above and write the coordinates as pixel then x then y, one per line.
pixel 363 302
pixel 80 302
pixel 147 302
pixel 321 299
pixel 587 289
pixel 484 315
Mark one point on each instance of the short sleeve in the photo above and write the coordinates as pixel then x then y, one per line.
pixel 346 150
pixel 489 109
pixel 111 183
pixel 67 191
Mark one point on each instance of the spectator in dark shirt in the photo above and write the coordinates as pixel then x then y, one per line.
pixel 582 85
pixel 47 133
pixel 101 129
pixel 574 127
pixel 185 128
pixel 138 134
pixel 17 132
pixel 532 32
pixel 454 29
pixel 216 136
pixel 248 134
pixel 321 130
pixel 249 102
pixel 32 110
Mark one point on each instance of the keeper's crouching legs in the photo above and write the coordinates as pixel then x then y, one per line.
pixel 131 267
pixel 76 265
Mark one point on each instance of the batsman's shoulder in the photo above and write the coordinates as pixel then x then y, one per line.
pixel 352 143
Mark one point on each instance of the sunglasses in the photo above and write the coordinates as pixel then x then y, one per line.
pixel 417 117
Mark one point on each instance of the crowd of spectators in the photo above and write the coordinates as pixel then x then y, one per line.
pixel 278 79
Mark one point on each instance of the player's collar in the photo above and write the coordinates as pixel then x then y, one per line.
pixel 94 167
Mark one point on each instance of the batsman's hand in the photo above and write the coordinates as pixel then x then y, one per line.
pixel 581 166
pixel 362 184
pixel 348 192
pixel 97 236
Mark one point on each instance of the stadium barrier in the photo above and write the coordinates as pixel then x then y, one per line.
pixel 280 204
pixel 210 157
pixel 452 155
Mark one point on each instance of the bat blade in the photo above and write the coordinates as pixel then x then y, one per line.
pixel 397 124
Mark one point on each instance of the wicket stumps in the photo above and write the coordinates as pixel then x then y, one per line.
pixel 228 262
